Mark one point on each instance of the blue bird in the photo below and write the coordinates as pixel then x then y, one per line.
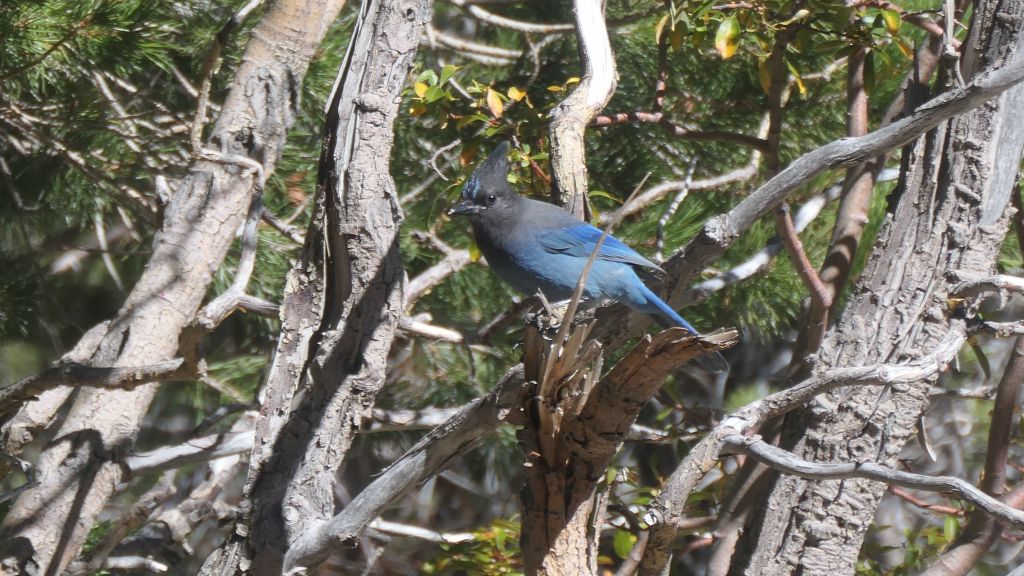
pixel 534 245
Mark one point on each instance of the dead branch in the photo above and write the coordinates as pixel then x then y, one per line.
pixel 80 375
pixel 431 454
pixel 789 463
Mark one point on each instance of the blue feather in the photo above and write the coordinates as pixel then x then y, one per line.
pixel 579 241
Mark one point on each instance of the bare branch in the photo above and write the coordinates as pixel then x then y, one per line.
pixel 763 257
pixel 397 529
pixel 491 55
pixel 453 262
pixel 789 463
pixel 455 437
pixel 665 513
pixel 661 190
pixel 804 269
pixel 120 378
pixel 719 233
pixel 195 450
pixel 503 22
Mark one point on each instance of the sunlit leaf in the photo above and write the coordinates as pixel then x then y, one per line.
pixel 727 36
pixel 420 89
pixel 603 194
pixel 764 76
pixel 796 78
pixel 516 94
pixel 906 50
pixel 659 28
pixel 623 543
pixel 892 21
pixel 494 103
pixel 474 250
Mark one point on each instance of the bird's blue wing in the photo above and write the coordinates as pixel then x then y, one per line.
pixel 579 240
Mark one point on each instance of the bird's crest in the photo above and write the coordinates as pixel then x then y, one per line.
pixel 491 174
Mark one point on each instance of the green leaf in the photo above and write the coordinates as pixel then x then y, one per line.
pixel 447 72
pixel 603 194
pixel 892 21
pixel 764 76
pixel 474 250
pixel 727 36
pixel 428 77
pixel 623 543
pixel 869 72
pixel 796 77
pixel 950 527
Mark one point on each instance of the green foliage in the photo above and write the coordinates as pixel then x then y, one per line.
pixel 494 551
pixel 920 547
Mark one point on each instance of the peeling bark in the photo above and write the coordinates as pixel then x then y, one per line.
pixel 80 468
pixel 948 215
pixel 343 301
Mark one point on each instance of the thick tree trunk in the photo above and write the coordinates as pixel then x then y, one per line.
pixel 343 301
pixel 79 470
pixel 947 218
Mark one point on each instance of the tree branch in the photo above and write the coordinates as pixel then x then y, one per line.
pixel 430 455
pixel 789 463
pixel 719 233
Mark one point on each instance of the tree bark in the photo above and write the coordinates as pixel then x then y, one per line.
pixel 570 118
pixel 79 470
pixel 948 216
pixel 343 301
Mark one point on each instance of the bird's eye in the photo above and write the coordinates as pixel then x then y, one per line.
pixel 491 198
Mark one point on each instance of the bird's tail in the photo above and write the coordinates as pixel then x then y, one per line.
pixel 669 318
pixel 664 313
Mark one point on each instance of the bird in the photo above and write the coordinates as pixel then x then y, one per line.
pixel 536 246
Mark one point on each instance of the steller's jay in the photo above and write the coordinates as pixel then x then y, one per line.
pixel 534 246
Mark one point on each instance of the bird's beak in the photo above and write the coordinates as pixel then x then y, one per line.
pixel 464 208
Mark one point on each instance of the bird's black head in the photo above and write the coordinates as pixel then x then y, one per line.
pixel 487 189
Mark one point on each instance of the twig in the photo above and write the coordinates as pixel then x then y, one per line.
pixel 923 504
pixel 509 23
pixel 763 257
pixel 397 529
pixel 292 232
pixel 804 269
pixel 659 191
pixel 437 153
pixel 235 297
pixel 108 262
pixel 491 55
pixel 425 281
